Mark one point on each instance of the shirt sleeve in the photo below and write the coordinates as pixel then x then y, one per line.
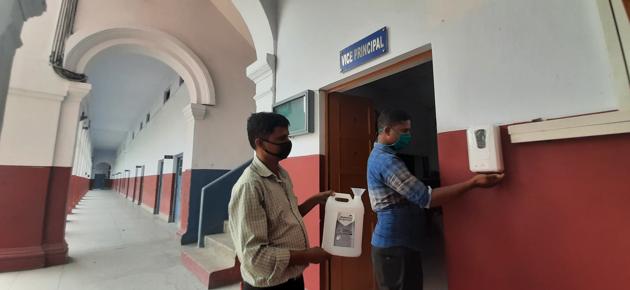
pixel 398 178
pixel 248 227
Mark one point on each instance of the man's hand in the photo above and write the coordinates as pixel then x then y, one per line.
pixel 317 255
pixel 323 196
pixel 314 255
pixel 487 180
pixel 311 202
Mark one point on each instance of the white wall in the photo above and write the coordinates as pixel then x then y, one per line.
pixel 29 129
pixel 221 141
pixel 165 134
pixel 524 59
pixel 13 14
pixel 30 67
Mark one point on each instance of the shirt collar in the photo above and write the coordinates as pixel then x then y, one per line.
pixel 261 169
pixel 384 148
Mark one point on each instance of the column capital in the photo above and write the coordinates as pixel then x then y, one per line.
pixel 77 91
pixel 24 93
pixel 262 68
pixel 262 72
pixel 194 112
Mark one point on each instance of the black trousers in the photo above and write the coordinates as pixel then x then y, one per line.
pixel 292 284
pixel 397 268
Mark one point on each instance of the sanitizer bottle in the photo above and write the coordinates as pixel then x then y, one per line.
pixel 343 224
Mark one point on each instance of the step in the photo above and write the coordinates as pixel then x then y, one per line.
pixel 221 244
pixel 212 269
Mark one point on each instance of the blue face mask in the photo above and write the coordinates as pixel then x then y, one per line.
pixel 403 141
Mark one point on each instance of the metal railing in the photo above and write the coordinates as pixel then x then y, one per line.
pixel 215 197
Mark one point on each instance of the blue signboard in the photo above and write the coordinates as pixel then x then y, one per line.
pixel 364 50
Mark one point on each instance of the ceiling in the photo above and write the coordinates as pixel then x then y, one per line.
pixel 124 86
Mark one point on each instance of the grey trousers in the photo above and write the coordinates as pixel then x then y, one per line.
pixel 397 268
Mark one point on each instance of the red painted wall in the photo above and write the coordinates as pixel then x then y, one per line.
pixel 32 219
pixel 133 189
pixel 79 186
pixel 185 201
pixel 23 203
pixel 54 243
pixel 305 174
pixel 167 193
pixel 148 190
pixel 560 219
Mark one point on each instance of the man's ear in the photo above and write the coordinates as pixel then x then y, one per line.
pixel 258 142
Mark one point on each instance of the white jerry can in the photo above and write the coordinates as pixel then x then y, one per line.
pixel 343 224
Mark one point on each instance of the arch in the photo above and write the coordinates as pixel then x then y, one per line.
pixel 84 45
pixel 260 24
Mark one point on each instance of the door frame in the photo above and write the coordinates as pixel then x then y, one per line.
pixel 395 65
pixel 135 184
pixel 158 186
pixel 128 173
pixel 171 213
pixel 141 187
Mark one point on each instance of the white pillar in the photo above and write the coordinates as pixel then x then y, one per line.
pixel 193 114
pixel 68 125
pixel 263 73
pixel 13 14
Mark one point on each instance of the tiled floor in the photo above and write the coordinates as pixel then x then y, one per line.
pixel 114 245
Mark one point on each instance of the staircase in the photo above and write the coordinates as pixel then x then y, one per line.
pixel 212 258
pixel 215 264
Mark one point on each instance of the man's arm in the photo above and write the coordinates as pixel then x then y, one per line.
pixel 445 194
pixel 313 255
pixel 399 178
pixel 314 200
pixel 249 231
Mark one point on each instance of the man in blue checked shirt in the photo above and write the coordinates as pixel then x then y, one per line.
pixel 398 198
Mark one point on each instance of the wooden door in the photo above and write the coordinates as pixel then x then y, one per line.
pixel 351 133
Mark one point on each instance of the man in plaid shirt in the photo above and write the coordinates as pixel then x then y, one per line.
pixel 265 219
pixel 398 198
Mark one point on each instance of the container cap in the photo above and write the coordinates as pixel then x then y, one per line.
pixel 358 192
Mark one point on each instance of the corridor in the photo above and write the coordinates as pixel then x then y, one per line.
pixel 113 245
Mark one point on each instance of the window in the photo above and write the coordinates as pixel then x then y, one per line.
pixel 140 126
pixel 148 118
pixel 167 95
pixel 133 135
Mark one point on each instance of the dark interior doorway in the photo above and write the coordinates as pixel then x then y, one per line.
pixel 178 162
pixel 158 188
pixel 411 90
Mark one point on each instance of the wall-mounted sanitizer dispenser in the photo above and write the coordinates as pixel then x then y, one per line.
pixel 484 149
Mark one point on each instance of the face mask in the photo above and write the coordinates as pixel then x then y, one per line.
pixel 285 149
pixel 403 141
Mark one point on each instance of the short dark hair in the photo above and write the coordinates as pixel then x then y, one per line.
pixel 392 117
pixel 261 125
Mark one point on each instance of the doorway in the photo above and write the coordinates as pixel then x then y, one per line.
pixel 99 181
pixel 352 111
pixel 135 184
pixel 178 162
pixel 141 187
pixel 158 190
pixel 128 175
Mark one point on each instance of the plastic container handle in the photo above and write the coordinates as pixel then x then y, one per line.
pixel 341 195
